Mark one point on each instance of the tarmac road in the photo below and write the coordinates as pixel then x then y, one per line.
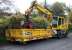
pixel 49 44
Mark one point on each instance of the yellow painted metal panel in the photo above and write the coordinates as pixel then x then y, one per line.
pixel 35 33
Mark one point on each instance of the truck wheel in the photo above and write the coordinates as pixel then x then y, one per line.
pixel 61 34
pixel 66 34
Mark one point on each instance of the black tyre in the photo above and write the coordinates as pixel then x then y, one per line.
pixel 61 34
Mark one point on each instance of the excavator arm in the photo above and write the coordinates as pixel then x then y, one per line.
pixel 39 8
pixel 42 9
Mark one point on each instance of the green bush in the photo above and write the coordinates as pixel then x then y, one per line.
pixel 4 22
pixel 3 40
pixel 39 22
pixel 70 27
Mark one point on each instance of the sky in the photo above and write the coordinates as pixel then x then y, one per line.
pixel 23 5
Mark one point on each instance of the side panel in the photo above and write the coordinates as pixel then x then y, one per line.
pixel 29 34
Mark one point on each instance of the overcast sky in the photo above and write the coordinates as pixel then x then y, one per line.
pixel 24 4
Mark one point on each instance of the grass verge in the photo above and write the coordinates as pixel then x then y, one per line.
pixel 3 40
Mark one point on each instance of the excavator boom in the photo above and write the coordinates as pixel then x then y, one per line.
pixel 42 9
pixel 39 8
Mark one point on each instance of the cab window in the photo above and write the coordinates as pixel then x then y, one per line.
pixel 60 21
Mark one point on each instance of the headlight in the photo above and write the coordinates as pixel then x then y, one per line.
pixel 55 31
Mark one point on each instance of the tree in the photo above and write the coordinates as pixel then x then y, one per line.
pixel 70 15
pixel 5 6
pixel 4 22
pixel 58 8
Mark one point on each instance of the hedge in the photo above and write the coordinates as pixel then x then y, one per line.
pixel 70 27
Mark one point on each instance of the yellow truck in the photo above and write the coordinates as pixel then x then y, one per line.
pixel 57 27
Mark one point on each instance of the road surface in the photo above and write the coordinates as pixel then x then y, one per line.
pixel 49 44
